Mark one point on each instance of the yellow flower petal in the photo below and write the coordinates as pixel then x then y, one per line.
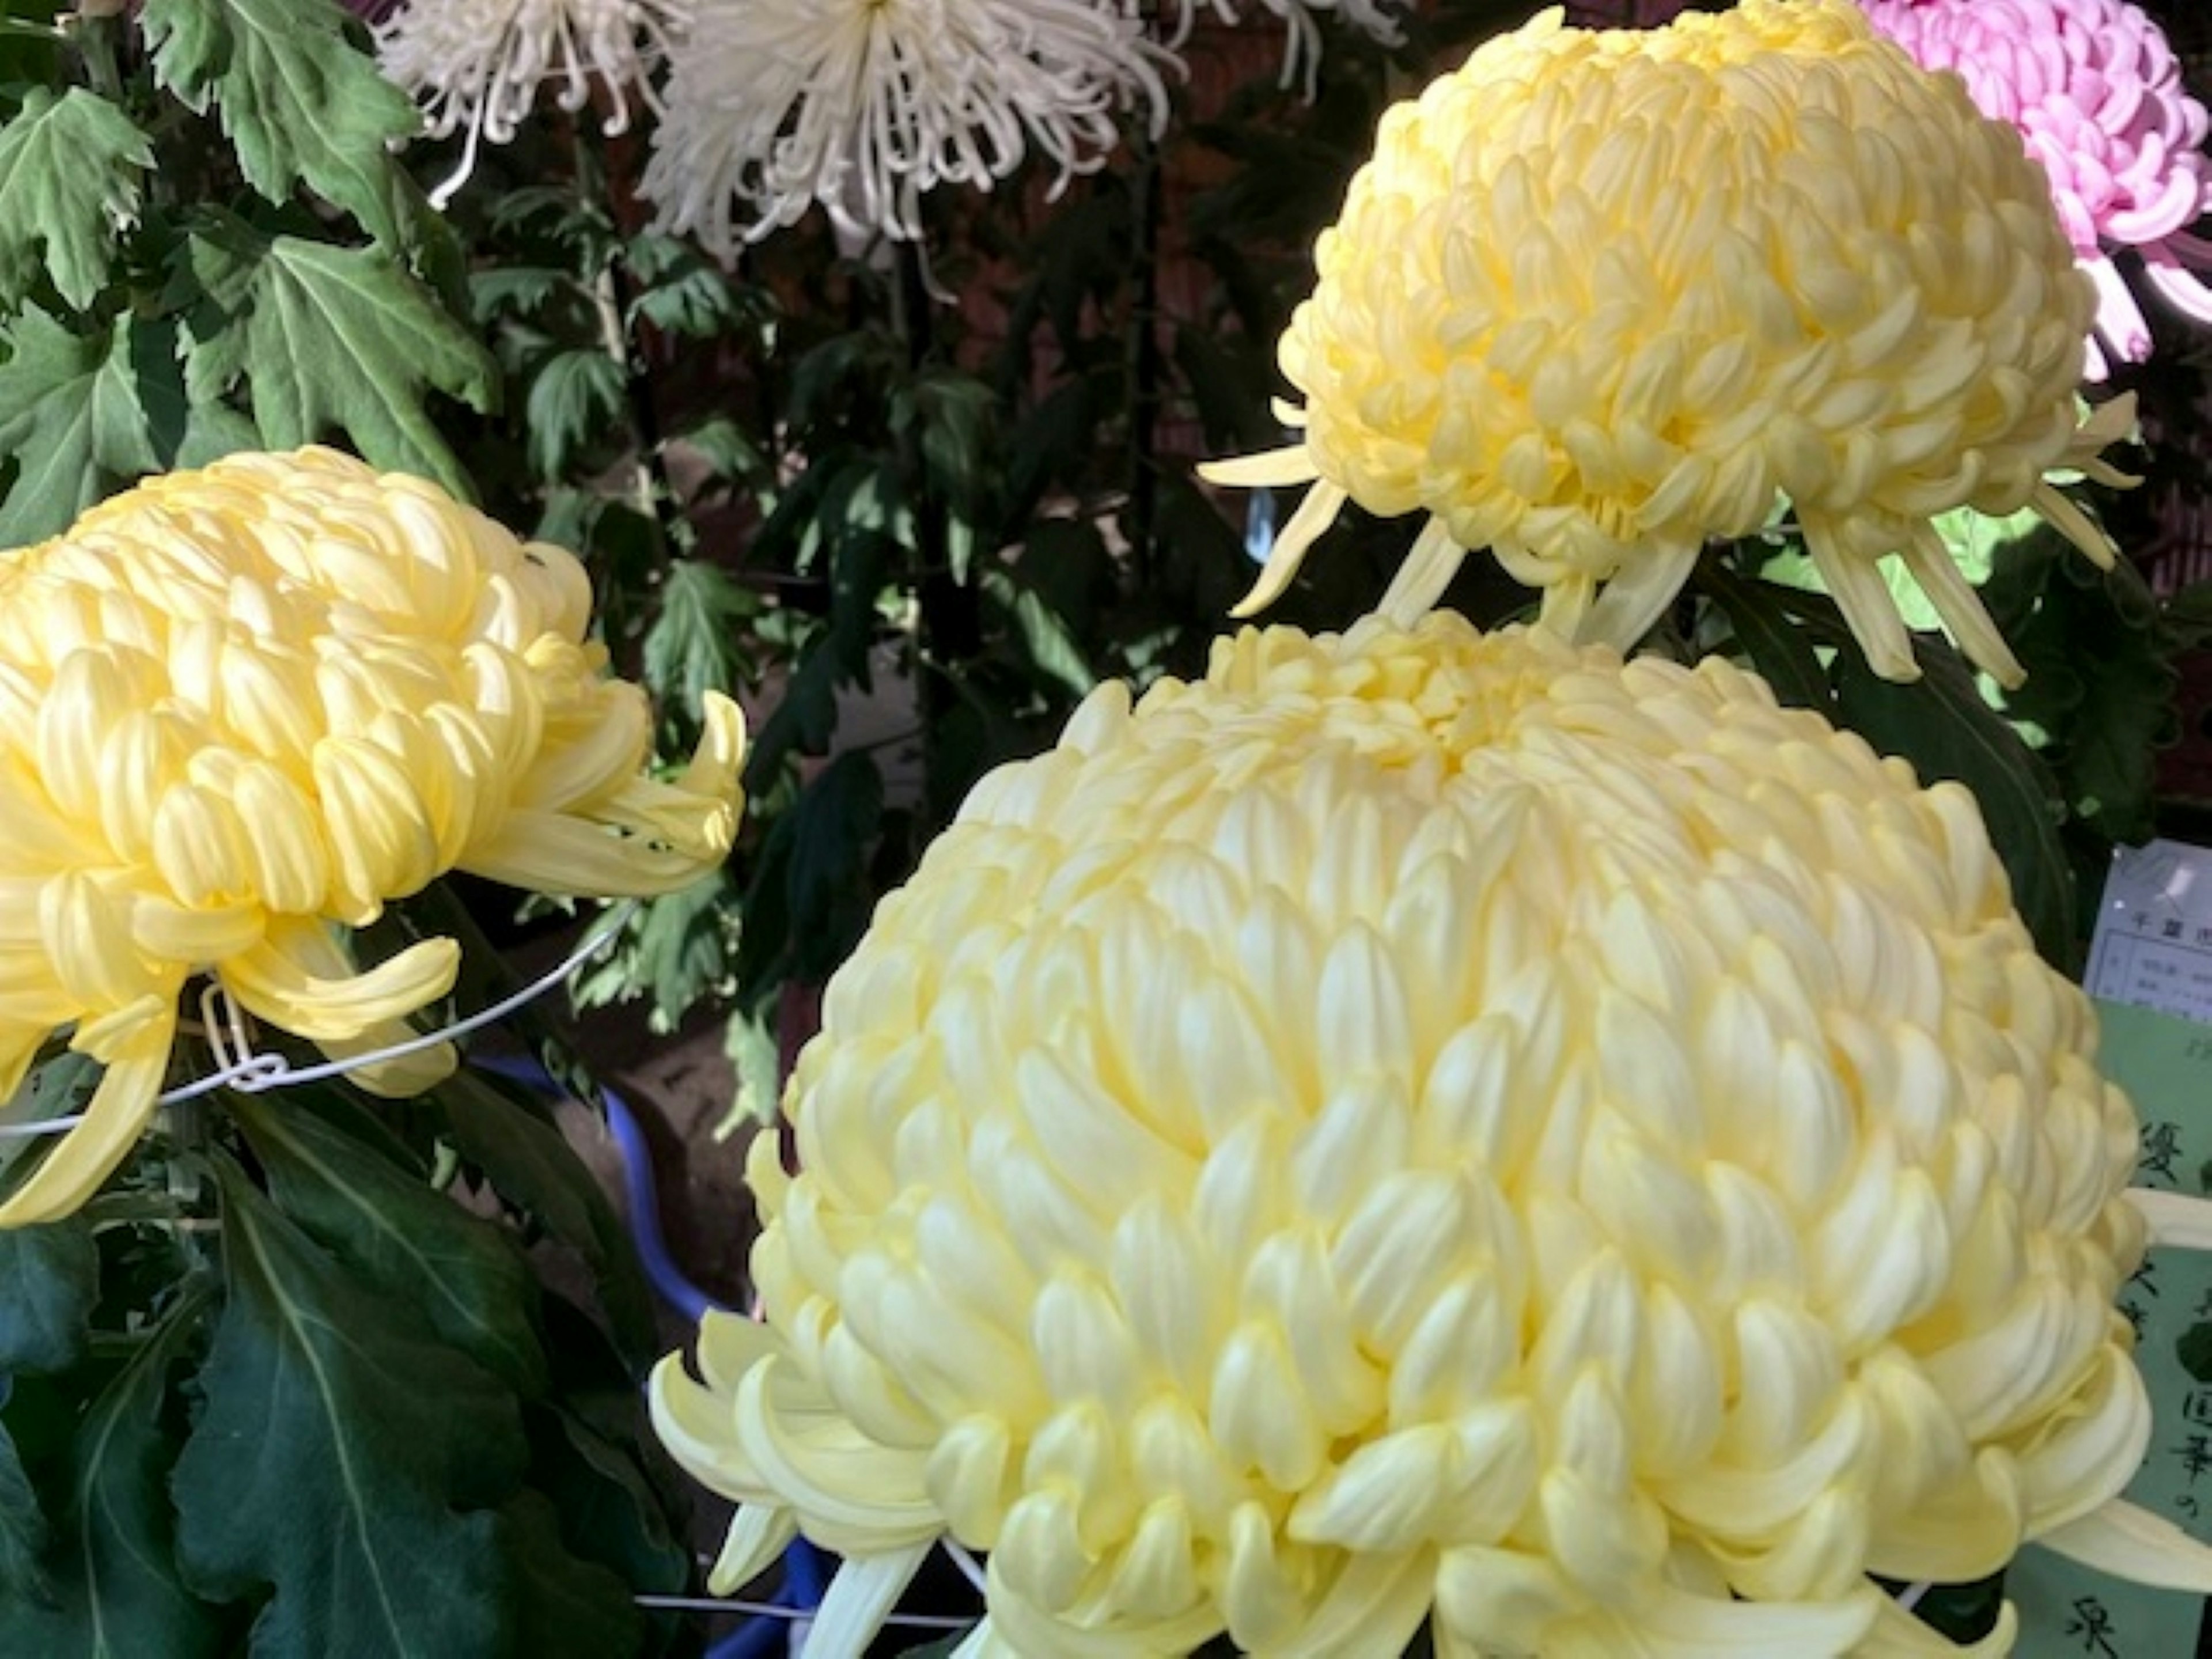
pixel 296 976
pixel 1423 1123
pixel 134 1043
pixel 1600 296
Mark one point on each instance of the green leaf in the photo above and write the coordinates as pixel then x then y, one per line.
pixel 343 1461
pixel 721 443
pixel 531 1166
pixel 1941 725
pixel 69 169
pixel 115 1590
pixel 298 101
pixel 212 431
pixel 520 290
pixel 696 642
pixel 2194 1349
pixel 803 719
pixel 23 1531
pixel 71 418
pixel 571 400
pixel 49 1282
pixel 833 828
pixel 1051 648
pixel 331 339
pixel 2100 676
pixel 683 292
pixel 1782 651
pixel 474 1288
pixel 958 417
pixel 564 1607
pixel 609 1510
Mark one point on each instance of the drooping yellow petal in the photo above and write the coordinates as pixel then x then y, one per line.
pixel 297 977
pixel 134 1044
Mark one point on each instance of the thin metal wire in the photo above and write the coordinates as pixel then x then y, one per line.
pixel 240 1068
pixel 776 1610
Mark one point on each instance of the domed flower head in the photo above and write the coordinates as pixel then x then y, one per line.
pixel 1422 1125
pixel 2096 92
pixel 242 709
pixel 478 67
pixel 865 106
pixel 1602 295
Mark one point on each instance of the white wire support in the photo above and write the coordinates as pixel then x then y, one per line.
pixel 240 1066
pixel 793 1615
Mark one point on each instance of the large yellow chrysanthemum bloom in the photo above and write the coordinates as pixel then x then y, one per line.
pixel 1422 1124
pixel 1602 295
pixel 245 706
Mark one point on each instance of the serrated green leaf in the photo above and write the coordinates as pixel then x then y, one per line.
pixel 70 419
pixel 116 1594
pixel 721 443
pixel 298 100
pixel 343 1463
pixel 331 339
pixel 70 170
pixel 212 431
pixel 695 644
pixel 683 292
pixel 1941 725
pixel 470 1282
pixel 572 398
pixel 49 1282
pixel 533 1167
pixel 520 290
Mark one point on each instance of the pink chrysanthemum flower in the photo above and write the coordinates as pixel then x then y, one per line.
pixel 2096 93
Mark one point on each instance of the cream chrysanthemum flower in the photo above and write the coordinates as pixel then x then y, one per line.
pixel 2097 94
pixel 1422 1125
pixel 1600 296
pixel 479 67
pixel 242 708
pixel 865 106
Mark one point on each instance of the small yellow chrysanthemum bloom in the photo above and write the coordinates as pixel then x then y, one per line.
pixel 243 708
pixel 1422 1124
pixel 1602 295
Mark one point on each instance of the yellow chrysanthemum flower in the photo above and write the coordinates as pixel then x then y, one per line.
pixel 1602 295
pixel 1429 1124
pixel 245 706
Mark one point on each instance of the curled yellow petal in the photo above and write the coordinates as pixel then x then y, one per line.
pixel 297 977
pixel 134 1044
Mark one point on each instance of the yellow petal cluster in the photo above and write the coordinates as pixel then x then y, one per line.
pixel 1599 295
pixel 1422 1124
pixel 245 706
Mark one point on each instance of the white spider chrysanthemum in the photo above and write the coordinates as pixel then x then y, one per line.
pixel 478 66
pixel 864 105
pixel 1379 20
